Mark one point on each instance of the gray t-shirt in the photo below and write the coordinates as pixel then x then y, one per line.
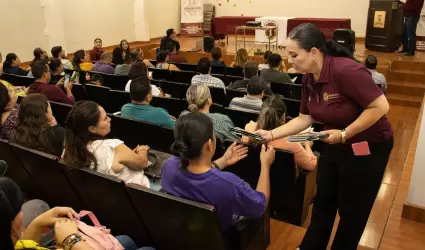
pixel 272 75
pixel 122 69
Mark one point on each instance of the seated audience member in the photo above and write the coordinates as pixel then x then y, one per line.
pixel 104 65
pixel 56 71
pixel 117 58
pixel 123 69
pixel 162 62
pixel 9 112
pixel 97 50
pixel 265 65
pixel 253 101
pixel 81 61
pixel 59 53
pixel 39 55
pixel 274 73
pixel 194 176
pixel 173 55
pixel 139 108
pixel 204 67
pixel 19 90
pixel 96 79
pixel 125 49
pixel 23 224
pixel 199 98
pixel 140 58
pixel 11 65
pixel 240 59
pixel 37 127
pixel 138 70
pixel 273 115
pixel 86 146
pixel 171 37
pixel 371 62
pixel 41 85
pixel 250 70
pixel 216 56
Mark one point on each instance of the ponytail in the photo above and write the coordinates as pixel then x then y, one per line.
pixel 335 49
pixel 271 113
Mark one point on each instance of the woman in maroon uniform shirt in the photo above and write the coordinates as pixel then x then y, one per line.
pixel 339 92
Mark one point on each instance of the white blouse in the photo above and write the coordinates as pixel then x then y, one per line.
pixel 155 89
pixel 104 151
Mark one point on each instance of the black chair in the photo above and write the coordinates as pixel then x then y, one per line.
pixel 98 94
pixel 115 82
pixel 288 90
pixel 223 78
pixel 216 108
pixel 219 96
pixel 175 89
pixel 292 107
pixel 106 196
pixel 240 118
pixel 299 78
pixel 160 74
pixel 17 172
pixel 60 111
pixel 234 71
pixel 182 76
pixel 153 62
pixel 291 191
pixel 234 78
pixel 117 99
pixel 79 92
pixel 174 106
pixel 176 223
pixel 186 66
pixel 218 70
pixel 48 176
pixel 16 80
pixel 134 133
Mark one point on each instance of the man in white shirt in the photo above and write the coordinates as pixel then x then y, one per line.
pixel 59 53
pixel 204 67
pixel 370 63
pixel 253 101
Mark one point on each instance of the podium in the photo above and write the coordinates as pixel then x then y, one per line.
pixel 384 25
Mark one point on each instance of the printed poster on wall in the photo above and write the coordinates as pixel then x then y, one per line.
pixel 192 17
pixel 420 31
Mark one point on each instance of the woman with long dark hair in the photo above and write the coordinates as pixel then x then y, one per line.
pixel 125 48
pixel 194 176
pixel 117 58
pixel 56 71
pixel 340 93
pixel 273 115
pixel 81 61
pixel 137 70
pixel 11 65
pixel 37 127
pixel 87 125
pixel 9 110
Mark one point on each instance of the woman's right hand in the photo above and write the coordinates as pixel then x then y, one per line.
pixel 53 215
pixel 64 228
pixel 266 134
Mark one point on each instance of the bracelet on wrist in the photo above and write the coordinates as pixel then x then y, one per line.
pixel 343 136
pixel 215 165
pixel 71 240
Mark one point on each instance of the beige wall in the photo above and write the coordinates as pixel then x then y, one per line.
pixel 163 14
pixel 22 27
pixel 356 10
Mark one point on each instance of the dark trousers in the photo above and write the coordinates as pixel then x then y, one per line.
pixel 347 184
pixel 409 34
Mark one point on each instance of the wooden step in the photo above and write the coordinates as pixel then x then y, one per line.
pixel 411 76
pixel 406 88
pixel 415 66
pixel 404 100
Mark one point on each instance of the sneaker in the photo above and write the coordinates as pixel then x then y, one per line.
pixel 409 54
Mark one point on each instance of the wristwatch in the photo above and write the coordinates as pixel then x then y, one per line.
pixel 343 136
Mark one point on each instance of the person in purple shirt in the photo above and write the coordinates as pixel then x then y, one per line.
pixel 193 176
pixel 104 65
pixel 340 93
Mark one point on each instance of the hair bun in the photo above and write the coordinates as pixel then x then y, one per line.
pixel 193 107
pixel 179 148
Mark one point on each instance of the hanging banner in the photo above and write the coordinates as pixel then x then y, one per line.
pixel 420 31
pixel 192 17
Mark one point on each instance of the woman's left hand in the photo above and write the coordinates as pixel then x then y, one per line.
pixel 235 153
pixel 53 215
pixel 334 137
